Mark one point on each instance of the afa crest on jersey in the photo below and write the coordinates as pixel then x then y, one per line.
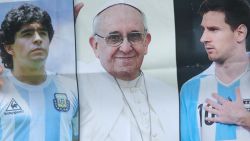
pixel 61 102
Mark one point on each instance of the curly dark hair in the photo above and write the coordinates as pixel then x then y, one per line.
pixel 13 22
pixel 237 12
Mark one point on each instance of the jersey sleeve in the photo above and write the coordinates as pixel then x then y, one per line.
pixel 188 102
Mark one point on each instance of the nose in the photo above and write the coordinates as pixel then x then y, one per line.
pixel 37 38
pixel 204 37
pixel 125 46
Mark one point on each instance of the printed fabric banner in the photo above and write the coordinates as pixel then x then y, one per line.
pixel 127 70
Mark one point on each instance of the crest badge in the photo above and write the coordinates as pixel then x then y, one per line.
pixel 61 102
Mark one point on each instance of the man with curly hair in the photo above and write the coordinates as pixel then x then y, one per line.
pixel 34 104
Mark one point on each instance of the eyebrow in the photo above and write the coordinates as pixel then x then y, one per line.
pixel 30 29
pixel 135 31
pixel 210 27
pixel 114 32
pixel 117 32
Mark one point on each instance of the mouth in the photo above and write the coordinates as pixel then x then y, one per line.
pixel 125 57
pixel 128 56
pixel 38 49
pixel 38 52
pixel 209 49
pixel 125 60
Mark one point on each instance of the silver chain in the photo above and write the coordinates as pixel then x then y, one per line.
pixel 132 112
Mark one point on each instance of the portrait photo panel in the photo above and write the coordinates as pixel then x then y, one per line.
pixel 39 94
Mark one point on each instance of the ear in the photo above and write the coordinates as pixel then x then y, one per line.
pixel 147 41
pixel 9 49
pixel 241 33
pixel 94 45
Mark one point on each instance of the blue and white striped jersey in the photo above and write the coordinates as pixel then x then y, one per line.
pixel 45 112
pixel 194 92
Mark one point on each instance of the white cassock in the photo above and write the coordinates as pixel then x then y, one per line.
pixel 105 116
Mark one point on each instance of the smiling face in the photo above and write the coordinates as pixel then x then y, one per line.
pixel 125 60
pixel 30 47
pixel 219 40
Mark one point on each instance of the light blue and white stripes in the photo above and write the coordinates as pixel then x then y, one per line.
pixel 38 119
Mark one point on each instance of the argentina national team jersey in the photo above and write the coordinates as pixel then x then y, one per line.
pixel 194 127
pixel 45 112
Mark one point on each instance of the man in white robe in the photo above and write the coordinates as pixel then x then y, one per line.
pixel 122 103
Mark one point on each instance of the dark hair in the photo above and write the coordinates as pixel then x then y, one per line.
pixel 13 22
pixel 237 12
